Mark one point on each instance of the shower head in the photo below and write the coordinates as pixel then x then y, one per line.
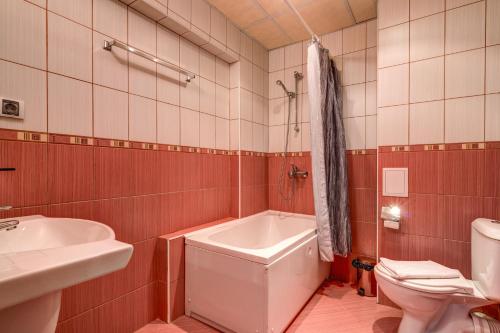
pixel 289 93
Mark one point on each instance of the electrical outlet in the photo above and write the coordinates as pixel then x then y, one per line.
pixel 12 108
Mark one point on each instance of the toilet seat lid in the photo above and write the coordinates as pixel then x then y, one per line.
pixel 437 286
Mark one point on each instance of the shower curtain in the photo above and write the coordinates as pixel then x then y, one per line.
pixel 329 169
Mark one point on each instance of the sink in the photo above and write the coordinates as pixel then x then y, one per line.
pixel 40 256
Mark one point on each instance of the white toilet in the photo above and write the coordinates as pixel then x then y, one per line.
pixel 431 306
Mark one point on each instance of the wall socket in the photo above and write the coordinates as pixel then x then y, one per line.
pixel 12 108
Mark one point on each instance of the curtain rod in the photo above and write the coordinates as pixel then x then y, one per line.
pixel 304 23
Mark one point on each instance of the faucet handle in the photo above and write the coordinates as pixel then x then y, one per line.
pixel 7 207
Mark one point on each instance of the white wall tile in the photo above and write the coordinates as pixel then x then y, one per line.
pixel 294 138
pixel 258 109
pixel 258 137
pixel 70 48
pixel 427 37
pixel 392 12
pixel 245 46
pixel 257 54
pixel 353 100
pixel 142 117
pixel 70 106
pixel 181 7
pixel 141 32
pixel 276 139
pixel 110 67
pixel 275 90
pixel 464 73
pixel 371 33
pixel 190 128
pixel 355 132
pixel 293 55
pixel 189 56
pixel 168 45
pixel 393 44
pixel 110 113
pixel 234 103
pixel 306 136
pixel 233 37
pixel 234 75
pixel 190 95
pixel 493 69
pixel 246 135
pixel 221 133
pixel 110 18
pixel 392 86
pixel 246 74
pixel 421 8
pixel 76 10
pixel 289 75
pixel 168 126
pixel 427 123
pixel 392 126
pixel 457 3
pixel 167 85
pixel 427 80
pixel 492 120
pixel 30 86
pixel 222 72
pixel 371 98
pixel 354 38
pixel 276 111
pixel 142 76
pixel 207 131
pixel 304 99
pixel 333 42
pixel 465 28
pixel 234 134
pixel 217 25
pixel 22 33
pixel 464 119
pixel 371 64
pixel 277 59
pixel 257 80
pixel 222 101
pixel 207 96
pixel 371 132
pixel 207 65
pixel 492 22
pixel 200 15
pixel 353 65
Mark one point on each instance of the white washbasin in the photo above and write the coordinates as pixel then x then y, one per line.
pixel 42 256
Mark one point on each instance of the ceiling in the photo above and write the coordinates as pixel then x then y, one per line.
pixel 274 24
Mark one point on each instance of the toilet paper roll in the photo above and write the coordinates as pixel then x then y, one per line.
pixel 391 224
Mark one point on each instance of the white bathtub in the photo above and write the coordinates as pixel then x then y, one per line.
pixel 253 274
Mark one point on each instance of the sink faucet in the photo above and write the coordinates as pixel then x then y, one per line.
pixel 295 172
pixel 8 225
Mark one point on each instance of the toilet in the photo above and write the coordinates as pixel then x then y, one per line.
pixel 433 306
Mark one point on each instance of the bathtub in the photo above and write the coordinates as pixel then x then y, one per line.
pixel 253 274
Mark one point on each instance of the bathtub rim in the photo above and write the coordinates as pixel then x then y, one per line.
pixel 266 256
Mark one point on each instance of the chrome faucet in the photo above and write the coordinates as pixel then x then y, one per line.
pixel 8 225
pixel 295 172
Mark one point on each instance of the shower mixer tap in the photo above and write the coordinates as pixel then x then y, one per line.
pixel 295 172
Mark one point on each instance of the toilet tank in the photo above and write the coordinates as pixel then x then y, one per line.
pixel 485 257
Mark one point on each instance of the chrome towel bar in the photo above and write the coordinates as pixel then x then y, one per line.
pixel 109 44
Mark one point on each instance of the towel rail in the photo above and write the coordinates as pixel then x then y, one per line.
pixel 109 44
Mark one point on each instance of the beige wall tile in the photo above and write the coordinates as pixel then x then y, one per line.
pixel 110 18
pixel 333 42
pixel 245 46
pixel 371 98
pixel 457 3
pixel 234 103
pixel 222 101
pixel 142 117
pixel 246 69
pixel 22 33
pixel 181 8
pixel 371 64
pixel 221 133
pixel 168 45
pixel 277 59
pixel 257 54
pixel 168 126
pixel 276 138
pixel 142 76
pixel 246 135
pixel 168 85
pixel 371 132
pixel 234 75
pixel 353 68
pixel 427 123
pixel 393 83
pixel 110 68
pixel 189 56
pixel 492 120
pixel 464 119
pixel 354 38
pixel 290 79
pixel 70 48
pixel 427 80
pixel 76 10
pixel 464 74
pixel 233 37
pixel 421 8
pixel 371 33
pixel 190 128
pixel 207 96
pixel 277 111
pixel 392 126
pixel 294 138
pixel 234 134
pixel 30 86
pixel 257 80
pixel 258 137
pixel 70 106
pixel 217 25
pixel 293 55
pixel 141 32
pixel 393 45
pixel 306 136
pixel 392 12
pixel 207 65
pixel 200 15
pixel 427 37
pixel 190 95
pixel 110 113
pixel 353 100
pixel 304 108
pixel 222 72
pixel 276 91
pixel 207 131
pixel 355 132
pixel 465 28
pixel 258 109
pixel 493 69
pixel 492 22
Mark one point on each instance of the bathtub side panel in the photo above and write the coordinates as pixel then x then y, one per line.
pixel 293 279
pixel 226 290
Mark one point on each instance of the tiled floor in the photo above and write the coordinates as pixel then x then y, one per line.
pixel 333 309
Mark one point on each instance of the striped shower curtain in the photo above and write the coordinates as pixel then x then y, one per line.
pixel 329 168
